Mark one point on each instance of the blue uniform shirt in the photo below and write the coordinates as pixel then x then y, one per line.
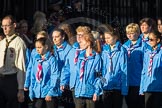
pixel 116 78
pixel 61 53
pixel 135 61
pixel 68 74
pixel 48 86
pixel 29 68
pixel 152 82
pixel 90 83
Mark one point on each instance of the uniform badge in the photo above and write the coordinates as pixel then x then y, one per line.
pixel 11 52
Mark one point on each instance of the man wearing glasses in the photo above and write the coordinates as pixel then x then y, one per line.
pixel 12 65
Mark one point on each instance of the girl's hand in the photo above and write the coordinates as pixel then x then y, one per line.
pixel 26 89
pixel 142 94
pixel 62 88
pixel 48 98
pixel 94 97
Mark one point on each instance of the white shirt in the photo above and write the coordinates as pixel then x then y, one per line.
pixel 15 59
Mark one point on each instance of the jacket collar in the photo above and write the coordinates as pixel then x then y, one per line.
pixel 76 45
pixel 137 44
pixel 46 57
pixel 63 45
pixel 159 47
pixel 116 47
pixel 91 56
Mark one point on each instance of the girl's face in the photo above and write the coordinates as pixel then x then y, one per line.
pixel 145 28
pixel 24 28
pixel 159 26
pixel 79 36
pixel 40 48
pixel 84 44
pixel 153 40
pixel 132 36
pixel 57 38
pixel 109 39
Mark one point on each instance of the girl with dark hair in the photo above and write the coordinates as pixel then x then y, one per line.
pixel 43 89
pixel 61 49
pixel 114 71
pixel 159 25
pixel 151 80
pixel 146 25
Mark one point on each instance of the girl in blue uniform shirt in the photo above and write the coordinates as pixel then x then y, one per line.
pixel 114 71
pixel 41 34
pixel 61 50
pixel 135 50
pixel 29 56
pixel 43 88
pixel 88 70
pixel 68 74
pixel 151 80
pixel 61 47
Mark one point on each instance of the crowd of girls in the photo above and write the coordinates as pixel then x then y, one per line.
pixel 95 68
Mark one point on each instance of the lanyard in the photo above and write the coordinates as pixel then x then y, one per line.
pixel 7 44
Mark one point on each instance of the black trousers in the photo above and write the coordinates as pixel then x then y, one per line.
pixel 84 103
pixel 8 91
pixel 67 99
pixel 99 102
pixel 41 103
pixel 153 99
pixel 133 99
pixel 112 99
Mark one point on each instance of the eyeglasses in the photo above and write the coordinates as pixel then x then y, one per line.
pixel 151 39
pixel 3 26
pixel 79 35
